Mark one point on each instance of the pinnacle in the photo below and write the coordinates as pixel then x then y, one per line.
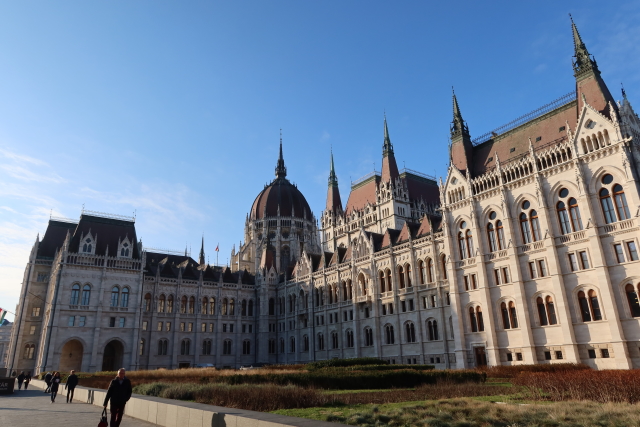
pixel 281 169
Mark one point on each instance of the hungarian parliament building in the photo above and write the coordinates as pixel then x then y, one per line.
pixel 527 253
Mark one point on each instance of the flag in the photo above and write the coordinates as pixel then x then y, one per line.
pixel 3 313
pixel 217 247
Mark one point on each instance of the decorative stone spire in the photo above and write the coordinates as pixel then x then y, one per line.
pixel 202 262
pixel 281 169
pixel 584 62
pixel 334 203
pixel 458 126
pixel 389 166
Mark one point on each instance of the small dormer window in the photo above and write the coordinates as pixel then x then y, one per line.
pixel 87 247
pixel 125 249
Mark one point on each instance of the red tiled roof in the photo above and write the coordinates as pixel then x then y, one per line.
pixel 361 195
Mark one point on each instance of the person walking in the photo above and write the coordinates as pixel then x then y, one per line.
pixel 72 382
pixel 20 380
pixel 27 380
pixel 55 383
pixel 119 393
pixel 47 380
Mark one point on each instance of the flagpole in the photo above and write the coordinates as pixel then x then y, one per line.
pixel 217 252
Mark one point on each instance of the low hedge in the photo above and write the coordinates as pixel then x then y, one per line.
pixel 355 380
pixel 340 363
pixel 383 368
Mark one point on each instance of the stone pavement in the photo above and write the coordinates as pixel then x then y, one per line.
pixel 33 408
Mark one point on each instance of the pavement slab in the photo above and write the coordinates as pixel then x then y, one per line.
pixel 33 408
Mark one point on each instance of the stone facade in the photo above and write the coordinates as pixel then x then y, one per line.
pixel 526 253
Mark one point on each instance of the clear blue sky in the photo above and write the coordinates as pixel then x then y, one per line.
pixel 173 109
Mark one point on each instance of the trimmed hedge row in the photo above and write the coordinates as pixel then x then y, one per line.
pixel 340 363
pixel 384 368
pixel 355 380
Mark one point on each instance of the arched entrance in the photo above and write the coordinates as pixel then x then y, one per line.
pixel 71 356
pixel 112 356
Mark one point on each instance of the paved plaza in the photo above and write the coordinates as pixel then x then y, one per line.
pixel 32 408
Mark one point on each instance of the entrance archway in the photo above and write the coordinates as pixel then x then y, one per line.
pixel 112 356
pixel 71 356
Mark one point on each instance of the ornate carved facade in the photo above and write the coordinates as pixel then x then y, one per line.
pixel 526 253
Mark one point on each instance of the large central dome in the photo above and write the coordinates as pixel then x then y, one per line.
pixel 282 195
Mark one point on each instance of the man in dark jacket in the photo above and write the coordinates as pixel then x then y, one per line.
pixel 72 382
pixel 47 380
pixel 21 378
pixel 119 392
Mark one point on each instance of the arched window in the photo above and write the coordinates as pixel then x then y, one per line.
pixel 115 293
pixel 632 298
pixel 500 232
pixel 232 307
pixel 574 212
pixel 389 334
pixel 408 273
pixel 350 287
pixel 162 347
pixel 480 320
pixel 305 342
pixel 147 302
pixel 183 305
pixel 225 306
pixel 524 227
pixel 462 245
pixel 535 225
pixel 320 341
pixel 542 312
pixel 29 351
pixel 192 305
pixel 142 347
pixel 170 304
pixel 410 332
pixel 563 217
pixel 272 346
pixel 334 340
pixel 246 347
pixel 431 276
pixel 292 345
pixel 226 347
pixel 469 238
pixel 212 306
pixel 206 347
pixel 513 315
pixel 389 285
pixel 382 285
pixel 551 310
pixel 75 294
pixel 401 277
pixel 421 272
pixel 349 339
pixel 243 307
pixel 185 347
pixel 250 309
pixel 124 299
pixel 345 296
pixel 584 307
pixel 607 206
pixel 368 337
pixel 161 302
pixel 491 234
pixel 505 316
pixel 473 320
pixel 595 306
pixel 362 283
pixel 86 294
pixel 205 305
pixel 443 265
pixel 621 202
pixel 272 307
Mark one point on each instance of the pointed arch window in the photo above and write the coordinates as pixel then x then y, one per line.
pixel 408 272
pixel 124 298
pixel 246 347
pixel 574 212
pixel 462 245
pixel 250 308
pixel 86 294
pixel 524 227
pixel 607 206
pixel 382 283
pixel 535 225
pixel 162 347
pixel 621 202
pixel 205 305
pixel 432 330
pixel 500 232
pixel 512 314
pixel 473 320
pixel 206 347
pixel 480 319
pixel 368 337
pixel 192 305
pixel 226 347
pixel 401 276
pixel 115 294
pixel 469 238
pixel 183 305
pixel 493 241
pixel 243 307
pixel 170 304
pixel 161 302
pixel 147 302
pixel 563 217
pixel 410 331
pixel 389 286
pixel 443 265
pixel 632 298
pixel 389 334
pixel 421 270
pixel 225 306
pixel 272 307
pixel 506 323
pixel 75 294
pixel 185 347
pixel 431 277
pixel 232 307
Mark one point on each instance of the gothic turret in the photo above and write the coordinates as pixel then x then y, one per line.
pixel 461 146
pixel 201 260
pixel 389 166
pixel 589 84
pixel 333 193
pixel 281 169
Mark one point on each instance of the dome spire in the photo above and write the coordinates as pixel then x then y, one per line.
pixel 281 169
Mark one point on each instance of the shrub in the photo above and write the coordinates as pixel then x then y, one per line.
pixel 514 370
pixel 599 386
pixel 387 367
pixel 335 363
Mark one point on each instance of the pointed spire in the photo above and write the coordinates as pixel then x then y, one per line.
pixel 624 93
pixel 387 148
pixel 281 169
pixel 333 179
pixel 583 62
pixel 202 252
pixel 458 126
